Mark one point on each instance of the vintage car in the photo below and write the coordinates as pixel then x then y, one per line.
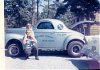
pixel 51 34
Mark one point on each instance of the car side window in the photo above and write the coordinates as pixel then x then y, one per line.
pixel 45 25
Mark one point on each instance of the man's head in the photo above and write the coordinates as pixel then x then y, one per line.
pixel 28 26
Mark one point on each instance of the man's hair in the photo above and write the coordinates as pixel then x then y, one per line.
pixel 28 25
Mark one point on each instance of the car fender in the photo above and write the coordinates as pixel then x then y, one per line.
pixel 72 38
pixel 11 36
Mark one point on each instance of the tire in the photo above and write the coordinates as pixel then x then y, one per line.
pixel 74 48
pixel 14 50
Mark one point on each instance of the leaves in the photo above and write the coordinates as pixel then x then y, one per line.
pixel 18 12
pixel 80 8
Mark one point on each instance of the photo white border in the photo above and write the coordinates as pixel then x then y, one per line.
pixel 2 53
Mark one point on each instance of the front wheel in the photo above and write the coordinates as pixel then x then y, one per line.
pixel 74 48
pixel 14 50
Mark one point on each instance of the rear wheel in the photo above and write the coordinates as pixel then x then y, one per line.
pixel 14 50
pixel 74 48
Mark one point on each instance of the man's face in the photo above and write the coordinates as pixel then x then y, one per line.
pixel 28 26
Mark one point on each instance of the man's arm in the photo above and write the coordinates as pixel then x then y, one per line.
pixel 24 39
pixel 33 37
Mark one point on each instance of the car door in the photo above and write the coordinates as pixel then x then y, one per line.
pixel 45 34
pixel 60 35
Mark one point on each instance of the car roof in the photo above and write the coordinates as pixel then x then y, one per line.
pixel 48 19
pixel 52 20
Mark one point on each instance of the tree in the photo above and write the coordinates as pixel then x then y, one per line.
pixel 49 10
pixel 82 9
pixel 18 12
pixel 68 18
pixel 52 11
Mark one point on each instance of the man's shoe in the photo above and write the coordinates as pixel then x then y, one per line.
pixel 36 58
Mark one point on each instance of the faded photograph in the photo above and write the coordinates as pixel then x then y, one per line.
pixel 52 34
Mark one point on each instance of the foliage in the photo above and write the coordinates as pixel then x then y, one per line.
pixel 52 11
pixel 68 18
pixel 82 9
pixel 17 12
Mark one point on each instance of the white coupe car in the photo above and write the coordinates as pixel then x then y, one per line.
pixel 51 34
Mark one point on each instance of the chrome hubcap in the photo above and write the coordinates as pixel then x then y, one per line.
pixel 13 50
pixel 76 49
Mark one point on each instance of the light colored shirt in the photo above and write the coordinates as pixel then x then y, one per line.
pixel 29 35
